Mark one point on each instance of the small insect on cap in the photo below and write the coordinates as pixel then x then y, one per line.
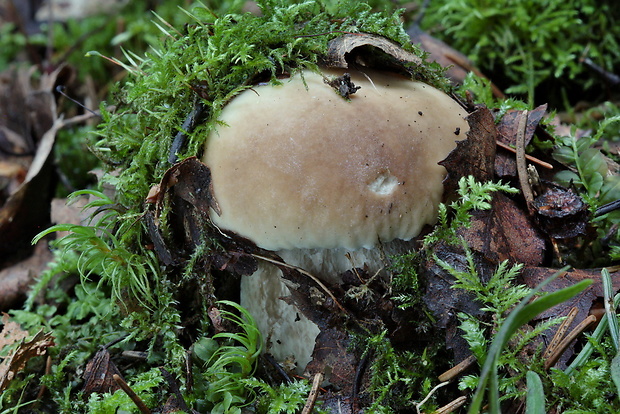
pixel 300 166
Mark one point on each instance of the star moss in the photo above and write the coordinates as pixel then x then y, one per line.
pixel 207 63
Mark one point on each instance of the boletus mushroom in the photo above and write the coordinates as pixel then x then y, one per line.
pixel 328 180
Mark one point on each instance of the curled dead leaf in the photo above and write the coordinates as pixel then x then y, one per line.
pixel 25 351
pixel 99 374
pixel 370 51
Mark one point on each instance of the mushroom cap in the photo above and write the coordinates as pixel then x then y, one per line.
pixel 298 166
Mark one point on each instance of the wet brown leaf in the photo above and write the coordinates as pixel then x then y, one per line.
pixel 533 276
pixel 191 181
pixel 333 357
pixel 444 302
pixel 505 233
pixel 586 302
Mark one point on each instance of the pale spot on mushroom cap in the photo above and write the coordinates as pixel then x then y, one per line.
pixel 304 168
pixel 385 184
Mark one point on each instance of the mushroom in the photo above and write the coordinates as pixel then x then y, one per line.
pixel 325 180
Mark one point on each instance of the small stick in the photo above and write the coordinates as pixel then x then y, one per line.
pixel 521 163
pixel 314 393
pixel 568 339
pixel 457 369
pixel 48 370
pixel 559 334
pixel 527 157
pixel 134 397
pixel 452 406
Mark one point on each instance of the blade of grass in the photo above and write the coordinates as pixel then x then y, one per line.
pixel 610 309
pixel 612 322
pixel 535 398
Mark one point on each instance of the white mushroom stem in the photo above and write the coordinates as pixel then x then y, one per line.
pixel 290 334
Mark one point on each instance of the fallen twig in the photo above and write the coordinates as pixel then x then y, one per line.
pixel 526 189
pixel 568 339
pixel 527 157
pixel 134 397
pixel 314 393
pixel 458 369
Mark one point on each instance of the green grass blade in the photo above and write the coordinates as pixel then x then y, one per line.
pixel 610 309
pixel 615 371
pixel 535 398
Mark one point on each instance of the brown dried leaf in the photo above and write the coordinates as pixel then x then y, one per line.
pixel 332 356
pixel 475 155
pixel 31 116
pixel 26 350
pixel 508 126
pixel 11 332
pixel 533 276
pixel 368 50
pixel 505 233
pixel 99 372
pixel 190 180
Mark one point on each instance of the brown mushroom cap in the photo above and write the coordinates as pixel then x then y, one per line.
pixel 298 166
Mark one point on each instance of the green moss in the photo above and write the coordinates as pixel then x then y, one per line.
pixel 532 47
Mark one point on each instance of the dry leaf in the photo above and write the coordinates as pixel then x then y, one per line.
pixel 585 302
pixel 370 51
pixel 444 302
pixel 30 113
pixel 99 372
pixel 14 363
pixel 505 233
pixel 191 181
pixel 11 332
pixel 475 155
